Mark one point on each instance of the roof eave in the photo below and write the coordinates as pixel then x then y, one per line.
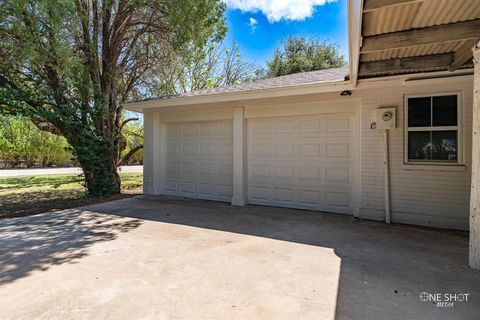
pixel 355 8
pixel 311 88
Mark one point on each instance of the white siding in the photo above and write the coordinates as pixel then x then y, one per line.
pixel 425 195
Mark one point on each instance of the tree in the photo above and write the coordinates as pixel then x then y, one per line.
pixel 196 68
pixel 234 69
pixel 132 154
pixel 301 54
pixel 68 64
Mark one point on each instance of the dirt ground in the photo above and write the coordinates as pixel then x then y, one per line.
pixel 25 195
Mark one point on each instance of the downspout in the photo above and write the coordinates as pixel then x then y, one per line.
pixel 387 179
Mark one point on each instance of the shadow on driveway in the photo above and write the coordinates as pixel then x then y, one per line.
pixel 42 241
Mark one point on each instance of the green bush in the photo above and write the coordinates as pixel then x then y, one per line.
pixel 22 144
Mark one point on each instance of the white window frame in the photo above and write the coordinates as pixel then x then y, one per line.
pixel 458 128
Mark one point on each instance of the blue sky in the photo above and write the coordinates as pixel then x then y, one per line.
pixel 258 26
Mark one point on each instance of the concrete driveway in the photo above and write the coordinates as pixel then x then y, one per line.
pixel 186 259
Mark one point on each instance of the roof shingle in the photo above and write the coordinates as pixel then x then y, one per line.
pixel 320 76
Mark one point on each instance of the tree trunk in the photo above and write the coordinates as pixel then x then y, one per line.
pixel 97 155
pixel 102 181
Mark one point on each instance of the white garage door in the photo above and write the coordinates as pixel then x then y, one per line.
pixel 302 162
pixel 199 160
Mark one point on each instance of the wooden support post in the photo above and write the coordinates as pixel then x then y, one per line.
pixel 415 64
pixel 463 54
pixel 474 261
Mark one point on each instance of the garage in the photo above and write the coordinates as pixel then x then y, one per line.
pixel 199 159
pixel 302 162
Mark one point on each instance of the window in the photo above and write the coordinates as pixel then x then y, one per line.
pixel 432 124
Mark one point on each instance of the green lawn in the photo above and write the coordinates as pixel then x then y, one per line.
pixel 32 194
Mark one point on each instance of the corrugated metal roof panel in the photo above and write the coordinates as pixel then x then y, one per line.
pixel 415 15
pixel 389 19
pixel 436 12
pixel 418 15
pixel 434 48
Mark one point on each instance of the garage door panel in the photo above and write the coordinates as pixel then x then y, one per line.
pixel 338 175
pixel 302 162
pixel 284 149
pixel 188 130
pixel 309 197
pixel 206 169
pixel 284 172
pixel 337 150
pixel 260 149
pixel 259 192
pixel 307 173
pixel 172 169
pixel 199 160
pixel 309 125
pixel 259 170
pixel 342 124
pixel 337 199
pixel 171 186
pixel 188 187
pixel 206 129
pixel 225 170
pixel 189 150
pixel 225 149
pixel 173 148
pixel 206 188
pixel 173 130
pixel 260 127
pixel 310 149
pixel 188 169
pixel 207 149
pixel 225 129
pixel 284 195
pixel 283 126
pixel 225 190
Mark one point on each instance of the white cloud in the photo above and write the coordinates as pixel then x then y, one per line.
pixel 276 10
pixel 253 24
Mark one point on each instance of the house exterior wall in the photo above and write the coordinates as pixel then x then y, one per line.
pixel 429 195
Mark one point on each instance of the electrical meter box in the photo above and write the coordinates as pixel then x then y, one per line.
pixel 386 118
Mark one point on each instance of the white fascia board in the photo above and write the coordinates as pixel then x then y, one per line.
pixel 311 88
pixel 355 9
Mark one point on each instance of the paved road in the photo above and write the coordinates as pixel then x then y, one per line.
pixel 43 171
